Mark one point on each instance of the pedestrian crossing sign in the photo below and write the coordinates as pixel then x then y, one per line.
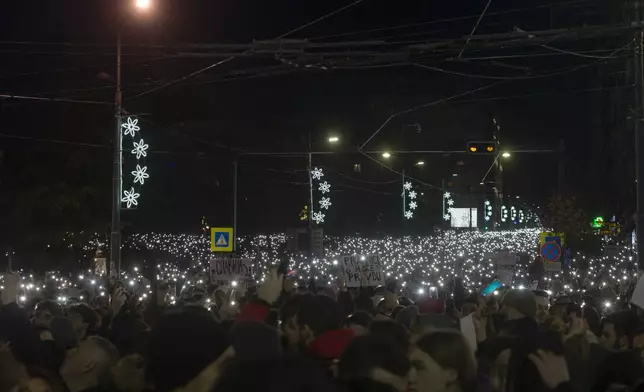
pixel 221 239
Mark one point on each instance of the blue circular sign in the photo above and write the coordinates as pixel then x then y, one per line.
pixel 551 251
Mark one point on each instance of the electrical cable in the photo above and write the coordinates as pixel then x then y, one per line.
pixel 199 71
pixel 577 54
pixel 476 25
pixel 449 20
pixel 537 76
pixel 358 180
pixel 433 103
pixel 64 100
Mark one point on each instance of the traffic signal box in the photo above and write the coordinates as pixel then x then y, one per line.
pixel 481 147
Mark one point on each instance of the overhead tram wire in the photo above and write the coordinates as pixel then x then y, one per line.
pixel 454 19
pixel 199 71
pixel 476 25
pixel 527 77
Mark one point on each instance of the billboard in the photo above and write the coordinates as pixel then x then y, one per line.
pixel 460 217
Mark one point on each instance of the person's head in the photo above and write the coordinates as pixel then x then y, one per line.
pixel 543 305
pixel 84 320
pixel 389 329
pixel 88 366
pixel 181 345
pixel 518 304
pixel 408 317
pixel 45 311
pixel 490 305
pixel 316 315
pixel 470 305
pixel 559 307
pixel 288 326
pixel 373 362
pixel 618 330
pixel 359 322
pixel 444 361
pixel 592 320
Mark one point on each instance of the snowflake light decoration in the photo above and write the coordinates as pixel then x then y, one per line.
pixel 325 187
pixel 318 217
pixel 317 174
pixel 140 174
pixel 130 198
pixel 409 200
pixel 140 149
pixel 130 127
pixel 324 202
pixel 448 202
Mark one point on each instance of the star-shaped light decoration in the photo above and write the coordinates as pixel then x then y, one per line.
pixel 318 217
pixel 129 197
pixel 450 202
pixel 325 202
pixel 407 186
pixel 446 217
pixel 140 149
pixel 325 187
pixel 317 174
pixel 140 174
pixel 447 195
pixel 409 214
pixel 450 210
pixel 412 195
pixel 413 205
pixel 130 126
pixel 487 202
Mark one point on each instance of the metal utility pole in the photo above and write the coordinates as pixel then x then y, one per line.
pixel 117 180
pixel 404 198
pixel 498 178
pixel 235 206
pixel 639 132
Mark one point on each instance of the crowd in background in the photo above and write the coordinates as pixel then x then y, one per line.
pixel 284 337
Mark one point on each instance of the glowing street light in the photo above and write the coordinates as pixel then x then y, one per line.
pixel 386 155
pixel 420 163
pixel 334 139
pixel 142 4
pixel 506 155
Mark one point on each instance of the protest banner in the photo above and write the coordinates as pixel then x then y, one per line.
pixel 226 269
pixel 363 271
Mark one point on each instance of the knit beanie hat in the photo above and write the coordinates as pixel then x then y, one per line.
pixel 523 301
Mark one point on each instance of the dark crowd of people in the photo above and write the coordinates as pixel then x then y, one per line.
pixel 285 338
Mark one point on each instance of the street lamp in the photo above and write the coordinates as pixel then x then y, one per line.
pixel 420 163
pixel 386 155
pixel 506 155
pixel 117 161
pixel 334 139
pixel 142 4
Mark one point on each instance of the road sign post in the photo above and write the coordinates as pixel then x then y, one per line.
pixel 222 239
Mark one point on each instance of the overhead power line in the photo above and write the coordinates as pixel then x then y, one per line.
pixel 454 19
pixel 476 25
pixel 199 71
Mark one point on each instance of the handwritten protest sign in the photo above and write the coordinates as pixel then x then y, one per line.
pixel 362 271
pixel 231 269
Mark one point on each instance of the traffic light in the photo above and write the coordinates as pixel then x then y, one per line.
pixel 481 147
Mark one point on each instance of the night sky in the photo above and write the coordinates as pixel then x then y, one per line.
pixel 197 127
